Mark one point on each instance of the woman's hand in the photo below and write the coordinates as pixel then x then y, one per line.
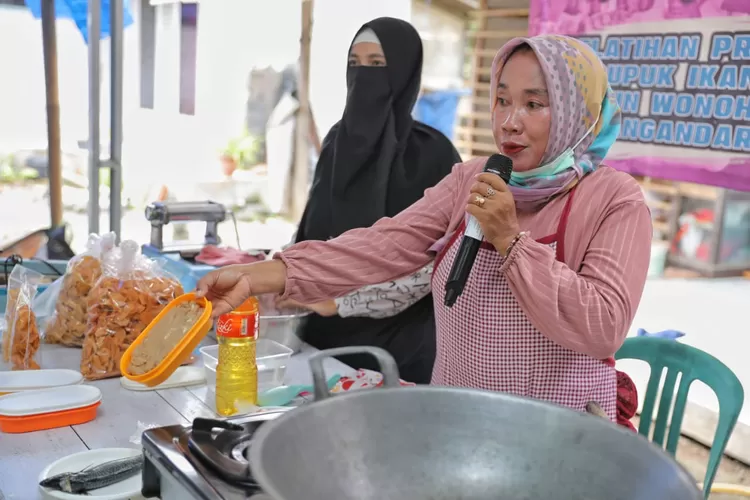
pixel 492 204
pixel 327 308
pixel 228 287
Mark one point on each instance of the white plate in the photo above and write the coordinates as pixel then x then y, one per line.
pixel 48 400
pixel 129 489
pixel 182 377
pixel 26 380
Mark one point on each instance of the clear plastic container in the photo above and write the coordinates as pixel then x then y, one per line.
pixel 271 357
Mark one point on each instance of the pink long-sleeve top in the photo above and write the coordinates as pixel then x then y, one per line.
pixel 585 304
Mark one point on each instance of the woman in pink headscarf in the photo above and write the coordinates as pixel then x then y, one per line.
pixel 554 289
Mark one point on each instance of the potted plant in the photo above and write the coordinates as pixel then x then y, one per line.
pixel 248 150
pixel 241 152
pixel 230 158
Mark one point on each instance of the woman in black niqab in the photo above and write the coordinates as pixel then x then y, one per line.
pixel 376 161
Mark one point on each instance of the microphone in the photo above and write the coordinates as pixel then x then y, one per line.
pixel 501 166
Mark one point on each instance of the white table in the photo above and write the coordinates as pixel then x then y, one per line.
pixel 120 417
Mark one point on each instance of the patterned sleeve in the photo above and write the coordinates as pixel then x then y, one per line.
pixel 387 299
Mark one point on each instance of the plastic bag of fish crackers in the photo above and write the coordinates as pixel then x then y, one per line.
pixel 21 336
pixel 68 325
pixel 131 291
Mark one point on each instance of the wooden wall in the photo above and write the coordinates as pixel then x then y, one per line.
pixel 492 24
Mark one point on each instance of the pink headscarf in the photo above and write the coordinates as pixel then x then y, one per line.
pixel 579 97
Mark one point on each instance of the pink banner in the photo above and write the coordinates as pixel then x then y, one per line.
pixel 681 72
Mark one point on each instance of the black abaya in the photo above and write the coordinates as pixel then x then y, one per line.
pixel 375 162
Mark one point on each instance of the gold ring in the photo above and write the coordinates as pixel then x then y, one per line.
pixel 479 201
pixel 490 192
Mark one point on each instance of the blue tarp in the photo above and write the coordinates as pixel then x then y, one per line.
pixel 438 109
pixel 78 10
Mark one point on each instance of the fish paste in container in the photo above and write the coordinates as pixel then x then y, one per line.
pixel 167 341
pixel 164 336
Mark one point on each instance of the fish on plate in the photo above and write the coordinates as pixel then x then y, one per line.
pixel 95 477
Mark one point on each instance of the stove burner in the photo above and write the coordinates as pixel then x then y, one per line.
pixel 224 451
pixel 239 452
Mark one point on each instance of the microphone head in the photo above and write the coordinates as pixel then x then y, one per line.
pixel 501 165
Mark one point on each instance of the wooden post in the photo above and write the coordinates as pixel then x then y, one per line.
pixel 54 155
pixel 167 56
pixel 302 127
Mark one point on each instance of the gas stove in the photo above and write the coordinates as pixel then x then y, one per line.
pixel 205 461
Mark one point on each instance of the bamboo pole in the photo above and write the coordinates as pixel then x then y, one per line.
pixel 54 155
pixel 302 128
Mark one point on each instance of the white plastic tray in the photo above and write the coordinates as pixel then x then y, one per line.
pixel 27 380
pixel 270 356
pixel 129 489
pixel 26 403
pixel 182 377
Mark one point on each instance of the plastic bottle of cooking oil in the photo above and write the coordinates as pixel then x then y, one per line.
pixel 237 371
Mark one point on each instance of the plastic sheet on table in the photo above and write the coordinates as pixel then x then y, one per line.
pixel 140 428
pixel 363 379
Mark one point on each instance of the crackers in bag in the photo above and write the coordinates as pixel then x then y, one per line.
pixel 131 292
pixel 21 337
pixel 68 326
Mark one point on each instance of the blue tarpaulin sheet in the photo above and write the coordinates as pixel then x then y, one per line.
pixel 78 10
pixel 438 109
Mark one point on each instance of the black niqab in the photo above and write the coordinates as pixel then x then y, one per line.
pixel 375 162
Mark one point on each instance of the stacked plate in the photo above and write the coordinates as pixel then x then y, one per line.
pixel 29 380
pixel 35 400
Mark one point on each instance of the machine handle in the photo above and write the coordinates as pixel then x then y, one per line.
pixel 387 364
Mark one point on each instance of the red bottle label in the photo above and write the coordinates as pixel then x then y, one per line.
pixel 237 325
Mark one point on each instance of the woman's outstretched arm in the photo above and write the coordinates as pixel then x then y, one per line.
pixel 314 271
pixel 392 247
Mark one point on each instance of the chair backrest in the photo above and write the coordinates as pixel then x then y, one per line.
pixel 693 364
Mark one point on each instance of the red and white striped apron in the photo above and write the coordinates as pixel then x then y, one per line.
pixel 485 341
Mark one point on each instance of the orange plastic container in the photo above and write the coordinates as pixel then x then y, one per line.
pixel 182 350
pixel 52 420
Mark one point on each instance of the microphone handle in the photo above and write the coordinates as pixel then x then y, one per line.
pixel 461 269
pixel 467 252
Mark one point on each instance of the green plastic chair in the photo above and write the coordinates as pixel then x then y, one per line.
pixel 693 364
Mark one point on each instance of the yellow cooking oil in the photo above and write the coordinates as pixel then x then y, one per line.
pixel 237 371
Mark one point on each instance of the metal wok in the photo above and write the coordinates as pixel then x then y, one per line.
pixel 435 443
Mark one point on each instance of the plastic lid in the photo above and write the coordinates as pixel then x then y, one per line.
pixel 249 306
pixel 26 380
pixel 181 351
pixel 265 350
pixel 27 403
